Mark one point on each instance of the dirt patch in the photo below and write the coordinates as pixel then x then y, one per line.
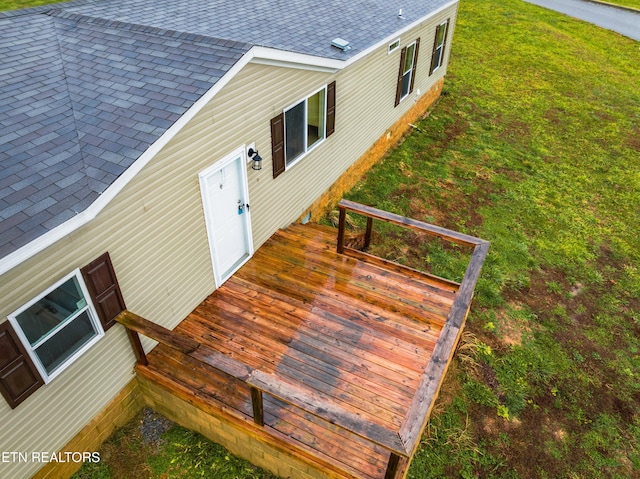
pixel 532 439
pixel 515 129
pixel 510 331
pixel 633 139
pixel 555 116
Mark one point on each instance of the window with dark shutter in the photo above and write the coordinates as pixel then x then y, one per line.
pixel 51 331
pixel 277 145
pixel 100 279
pixel 407 71
pixel 302 127
pixel 19 377
pixel 415 63
pixel 439 45
pixel 403 55
pixel 56 326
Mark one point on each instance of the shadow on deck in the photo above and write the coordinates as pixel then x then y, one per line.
pixel 314 362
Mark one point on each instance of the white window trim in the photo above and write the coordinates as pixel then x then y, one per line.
pixel 444 41
pixel 393 46
pixel 307 149
pixel 93 317
pixel 412 70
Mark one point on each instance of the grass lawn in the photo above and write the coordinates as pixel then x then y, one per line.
pixel 535 147
pixel 16 4
pixel 626 3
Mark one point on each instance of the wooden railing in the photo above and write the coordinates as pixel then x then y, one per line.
pixel 400 443
pixel 449 336
pixel 260 382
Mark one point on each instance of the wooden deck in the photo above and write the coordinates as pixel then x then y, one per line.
pixel 341 347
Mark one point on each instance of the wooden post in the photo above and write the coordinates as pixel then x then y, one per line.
pixel 138 350
pixel 258 406
pixel 341 222
pixel 367 234
pixel 392 466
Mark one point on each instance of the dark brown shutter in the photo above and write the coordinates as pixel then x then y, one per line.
pixel 277 144
pixel 415 62
pixel 104 290
pixel 435 44
pixel 331 108
pixel 444 42
pixel 19 377
pixel 403 54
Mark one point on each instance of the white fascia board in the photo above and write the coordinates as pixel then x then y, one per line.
pixel 283 58
pixel 398 33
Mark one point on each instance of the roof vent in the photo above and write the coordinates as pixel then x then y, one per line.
pixel 341 44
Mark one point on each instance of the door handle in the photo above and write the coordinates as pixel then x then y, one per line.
pixel 241 207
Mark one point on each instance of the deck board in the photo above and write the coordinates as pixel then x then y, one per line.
pixel 355 333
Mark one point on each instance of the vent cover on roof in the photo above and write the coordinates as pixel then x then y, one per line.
pixel 341 44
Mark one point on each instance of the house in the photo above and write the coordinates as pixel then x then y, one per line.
pixel 163 143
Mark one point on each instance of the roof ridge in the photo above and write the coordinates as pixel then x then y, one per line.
pixel 72 104
pixel 138 27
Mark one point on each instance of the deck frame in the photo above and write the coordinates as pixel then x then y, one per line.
pixel 422 404
pixel 400 443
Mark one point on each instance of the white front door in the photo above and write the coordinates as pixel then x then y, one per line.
pixel 225 197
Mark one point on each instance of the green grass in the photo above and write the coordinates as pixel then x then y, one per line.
pixel 625 3
pixel 535 147
pixel 177 453
pixel 16 4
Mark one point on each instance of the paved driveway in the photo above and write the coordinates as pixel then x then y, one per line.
pixel 619 20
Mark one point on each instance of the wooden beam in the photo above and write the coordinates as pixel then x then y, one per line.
pixel 416 418
pixel 184 344
pixel 392 466
pixel 138 350
pixel 341 226
pixel 319 406
pixel 367 234
pixel 154 331
pixel 428 228
pixel 461 304
pixel 400 268
pixel 258 406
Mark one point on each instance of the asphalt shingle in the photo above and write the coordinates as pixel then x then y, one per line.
pixel 87 86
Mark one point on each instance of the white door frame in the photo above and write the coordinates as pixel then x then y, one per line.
pixel 236 155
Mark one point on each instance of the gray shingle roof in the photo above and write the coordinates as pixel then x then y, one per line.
pixel 87 86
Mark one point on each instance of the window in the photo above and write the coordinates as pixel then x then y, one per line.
pixel 406 74
pixel 437 59
pixel 304 126
pixel 393 46
pixel 58 326
pixel 301 127
pixel 51 331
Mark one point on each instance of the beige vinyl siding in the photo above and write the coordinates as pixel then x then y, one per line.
pixel 155 231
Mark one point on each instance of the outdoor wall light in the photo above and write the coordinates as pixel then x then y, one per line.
pixel 257 159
